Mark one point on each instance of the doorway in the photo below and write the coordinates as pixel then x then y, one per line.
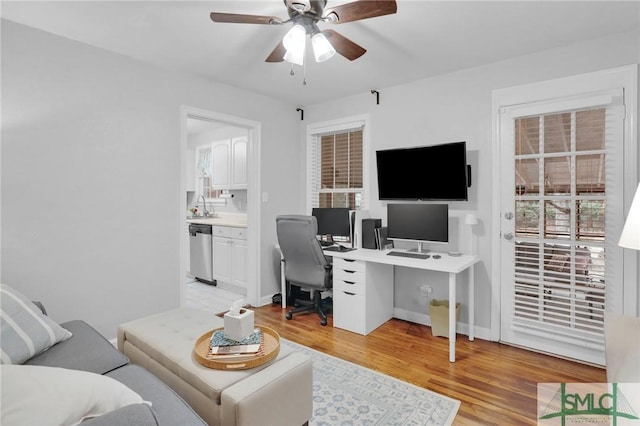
pixel 562 183
pixel 245 201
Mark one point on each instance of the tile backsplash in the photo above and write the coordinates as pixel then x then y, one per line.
pixel 237 204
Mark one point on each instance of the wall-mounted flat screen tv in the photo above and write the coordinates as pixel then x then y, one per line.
pixel 436 172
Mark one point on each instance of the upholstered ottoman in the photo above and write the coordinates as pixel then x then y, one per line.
pixel 276 393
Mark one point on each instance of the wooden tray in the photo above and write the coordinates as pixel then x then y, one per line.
pixel 269 351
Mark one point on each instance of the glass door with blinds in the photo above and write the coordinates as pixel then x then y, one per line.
pixel 561 176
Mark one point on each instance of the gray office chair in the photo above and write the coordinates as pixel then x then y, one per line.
pixel 305 265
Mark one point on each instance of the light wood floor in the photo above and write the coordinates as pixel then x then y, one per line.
pixel 496 383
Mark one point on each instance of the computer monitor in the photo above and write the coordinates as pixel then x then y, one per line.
pixel 333 222
pixel 418 222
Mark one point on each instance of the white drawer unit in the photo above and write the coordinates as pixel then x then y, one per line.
pixel 346 284
pixel 239 233
pixel 349 280
pixel 362 295
pixel 349 265
pixel 221 231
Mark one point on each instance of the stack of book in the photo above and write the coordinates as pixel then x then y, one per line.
pixel 381 235
pixel 222 348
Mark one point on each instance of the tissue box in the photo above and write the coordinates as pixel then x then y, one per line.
pixel 240 326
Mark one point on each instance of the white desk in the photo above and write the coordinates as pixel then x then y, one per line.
pixel 447 264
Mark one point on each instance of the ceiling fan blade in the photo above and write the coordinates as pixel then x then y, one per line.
pixel 344 46
pixel 245 19
pixel 362 9
pixel 278 54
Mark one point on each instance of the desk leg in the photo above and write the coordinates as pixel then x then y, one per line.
pixel 452 317
pixel 283 284
pixel 472 297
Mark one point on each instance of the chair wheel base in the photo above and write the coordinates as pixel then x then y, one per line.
pixel 317 305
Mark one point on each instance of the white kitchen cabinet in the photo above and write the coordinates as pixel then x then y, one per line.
pixel 221 259
pixel 221 152
pixel 230 164
pixel 361 294
pixel 239 262
pixel 230 255
pixel 239 163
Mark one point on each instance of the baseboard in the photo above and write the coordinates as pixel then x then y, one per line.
pixel 231 287
pixel 418 318
pixel 265 300
pixel 424 319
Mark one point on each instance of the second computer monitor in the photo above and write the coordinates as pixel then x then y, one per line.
pixel 333 222
pixel 427 223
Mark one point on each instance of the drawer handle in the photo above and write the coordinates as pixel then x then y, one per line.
pixel 349 282
pixel 349 293
pixel 349 260
pixel 349 272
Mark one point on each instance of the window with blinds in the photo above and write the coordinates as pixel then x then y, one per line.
pixel 560 211
pixel 337 169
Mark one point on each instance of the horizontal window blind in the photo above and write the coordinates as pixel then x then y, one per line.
pixel 337 169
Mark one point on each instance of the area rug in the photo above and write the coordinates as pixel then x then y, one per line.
pixel 348 394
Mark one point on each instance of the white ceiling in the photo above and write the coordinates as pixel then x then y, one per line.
pixel 423 39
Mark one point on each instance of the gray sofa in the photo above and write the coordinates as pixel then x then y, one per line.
pixel 87 350
pixel 69 374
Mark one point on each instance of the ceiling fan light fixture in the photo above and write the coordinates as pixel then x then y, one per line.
pixel 294 41
pixel 322 49
pixel 304 15
pixel 295 56
pixel 332 18
pixel 295 38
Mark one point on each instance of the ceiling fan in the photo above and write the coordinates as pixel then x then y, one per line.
pixel 305 15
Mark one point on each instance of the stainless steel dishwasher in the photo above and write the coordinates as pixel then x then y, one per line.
pixel 200 251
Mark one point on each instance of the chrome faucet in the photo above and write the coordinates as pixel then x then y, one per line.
pixel 205 212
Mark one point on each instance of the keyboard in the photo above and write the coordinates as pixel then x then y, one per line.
pixel 409 254
pixel 337 248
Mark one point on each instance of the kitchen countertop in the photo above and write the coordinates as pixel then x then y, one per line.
pixel 236 220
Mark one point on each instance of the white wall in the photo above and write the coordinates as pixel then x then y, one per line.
pixel 90 176
pixel 456 107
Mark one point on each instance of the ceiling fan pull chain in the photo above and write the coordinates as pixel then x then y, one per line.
pixel 291 72
pixel 304 73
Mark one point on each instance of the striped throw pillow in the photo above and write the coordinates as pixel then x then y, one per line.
pixel 25 331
